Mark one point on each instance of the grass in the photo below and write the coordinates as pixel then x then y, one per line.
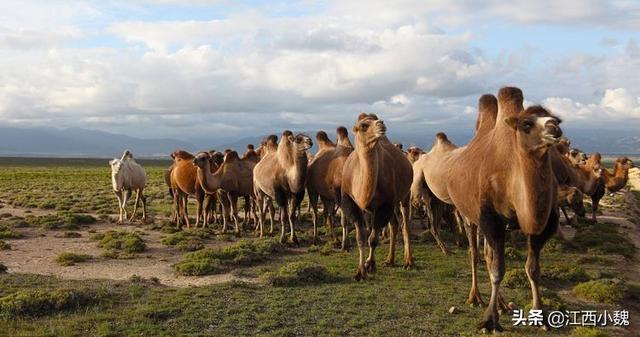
pixel 604 290
pixel 4 245
pixel 119 244
pixel 188 240
pixel 69 259
pixel 7 232
pixel 32 303
pixel 299 273
pixel 60 220
pixel 214 261
pixel 602 238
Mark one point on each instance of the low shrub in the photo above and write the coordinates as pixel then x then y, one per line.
pixel 603 290
pixel 9 233
pixel 121 241
pixel 602 238
pixel 61 220
pixel 212 261
pixel 565 274
pixel 45 302
pixel 516 278
pixel 69 259
pixel 298 273
pixel 4 245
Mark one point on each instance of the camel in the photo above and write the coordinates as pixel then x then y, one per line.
pixel 127 176
pixel 576 156
pixel 211 199
pixel 229 181
pixel 512 183
pixel 324 179
pixel 251 154
pixel 569 196
pixel 281 176
pixel 618 179
pixel 183 184
pixel 590 181
pixel 376 178
pixel 413 153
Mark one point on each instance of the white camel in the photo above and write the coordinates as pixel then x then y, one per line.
pixel 127 176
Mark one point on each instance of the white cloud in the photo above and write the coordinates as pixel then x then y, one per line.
pixel 616 104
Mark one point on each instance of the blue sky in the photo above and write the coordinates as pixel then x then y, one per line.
pixel 169 68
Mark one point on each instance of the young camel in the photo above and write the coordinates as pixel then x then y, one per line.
pixel 376 178
pixel 324 179
pixel 281 175
pixel 513 183
pixel 572 197
pixel 127 176
pixel 618 179
pixel 590 181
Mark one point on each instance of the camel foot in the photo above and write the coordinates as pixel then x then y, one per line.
pixel 389 262
pixel 370 265
pixel 475 300
pixel 361 274
pixel 489 325
pixel 408 263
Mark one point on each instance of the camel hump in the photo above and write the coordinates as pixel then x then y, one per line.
pixel 321 136
pixel 250 147
pixel 510 101
pixel 182 154
pixel 487 111
pixel 441 136
pixel 342 132
pixel 287 133
pixel 364 115
pixel 231 156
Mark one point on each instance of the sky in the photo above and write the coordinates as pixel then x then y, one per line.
pixel 225 69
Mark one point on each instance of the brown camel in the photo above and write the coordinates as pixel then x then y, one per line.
pixel 251 154
pixel 376 179
pixel 590 181
pixel 413 153
pixel 572 197
pixel 324 178
pixel 229 181
pixel 512 183
pixel 618 179
pixel 183 184
pixel 211 214
pixel 281 176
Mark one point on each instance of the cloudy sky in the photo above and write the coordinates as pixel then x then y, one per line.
pixel 172 68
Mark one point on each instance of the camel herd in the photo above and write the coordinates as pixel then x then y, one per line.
pixel 516 173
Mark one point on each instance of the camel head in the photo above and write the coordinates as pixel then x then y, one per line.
pixel 575 198
pixel 595 162
pixel 577 157
pixel 202 159
pixel 536 129
pixel 343 136
pixel 398 145
pixel 116 165
pixel 369 130
pixel 301 143
pixel 127 155
pixel 250 147
pixel 625 162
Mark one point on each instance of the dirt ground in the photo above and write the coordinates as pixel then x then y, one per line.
pixel 36 252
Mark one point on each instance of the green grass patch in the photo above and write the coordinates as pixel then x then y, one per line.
pixel 602 238
pixel 299 273
pixel 41 302
pixel 213 261
pixel 60 220
pixel 589 332
pixel 516 278
pixel 564 273
pixel 120 244
pixel 9 233
pixel 188 240
pixel 601 291
pixel 69 259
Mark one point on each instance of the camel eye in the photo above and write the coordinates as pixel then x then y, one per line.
pixel 365 127
pixel 527 125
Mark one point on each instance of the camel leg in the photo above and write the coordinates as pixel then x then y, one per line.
pixel 370 263
pixel 351 212
pixel 272 214
pixel 329 217
pixel 176 207
pixel 436 210
pixel 474 294
pixel 135 205
pixel 119 196
pixel 313 204
pixel 293 218
pixel 233 205
pixel 345 232
pixel 378 220
pixel 185 209
pixel 405 213
pixel 494 231
pixel 127 194
pixel 532 266
pixel 261 203
pixel 224 203
pixel 284 207
pixel 564 211
pixel 393 232
pixel 144 207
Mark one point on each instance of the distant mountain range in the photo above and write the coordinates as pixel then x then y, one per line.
pixel 77 142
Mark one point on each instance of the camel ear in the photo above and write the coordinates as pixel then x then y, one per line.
pixel 512 121
pixel 112 162
pixel 362 116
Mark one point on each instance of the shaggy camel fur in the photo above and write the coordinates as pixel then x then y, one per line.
pixel 281 175
pixel 618 179
pixel 324 178
pixel 230 181
pixel 513 183
pixel 127 176
pixel 376 179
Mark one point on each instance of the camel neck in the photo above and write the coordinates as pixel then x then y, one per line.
pixel 533 180
pixel 210 182
pixel 368 160
pixel 298 172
